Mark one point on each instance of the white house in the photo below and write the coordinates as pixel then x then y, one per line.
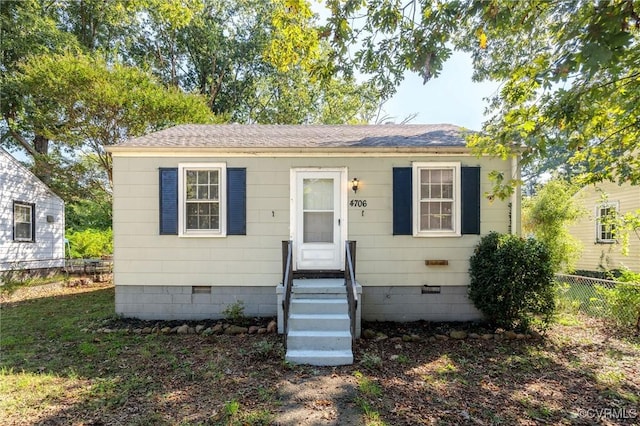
pixel 31 220
pixel 201 211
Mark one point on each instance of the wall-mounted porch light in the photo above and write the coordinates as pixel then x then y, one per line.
pixel 354 184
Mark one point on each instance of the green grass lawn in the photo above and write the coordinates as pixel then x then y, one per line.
pixel 55 370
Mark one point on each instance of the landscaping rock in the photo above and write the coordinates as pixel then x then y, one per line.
pixel 458 334
pixel 474 336
pixel 520 336
pixel 183 329
pixel 262 330
pixel 200 328
pixel 147 330
pixel 410 338
pixel 510 334
pixel 165 330
pixel 487 336
pixel 381 336
pixel 217 329
pixel 441 337
pixel 272 327
pixel 235 329
pixel 253 329
pixel 137 331
pixel 368 334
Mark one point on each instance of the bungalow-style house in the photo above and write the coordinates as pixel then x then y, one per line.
pixel 601 249
pixel 31 221
pixel 206 216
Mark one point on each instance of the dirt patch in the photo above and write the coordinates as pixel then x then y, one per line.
pixel 318 400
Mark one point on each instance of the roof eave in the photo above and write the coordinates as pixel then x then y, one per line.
pixel 363 150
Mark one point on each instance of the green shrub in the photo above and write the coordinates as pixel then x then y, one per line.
pixel 90 243
pixel 512 281
pixel 623 301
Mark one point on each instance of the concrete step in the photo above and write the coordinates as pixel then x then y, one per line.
pixel 319 340
pixel 319 322
pixel 314 306
pixel 320 357
pixel 314 288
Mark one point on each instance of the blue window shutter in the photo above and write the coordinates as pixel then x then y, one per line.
pixel 470 177
pixel 236 201
pixel 402 201
pixel 168 201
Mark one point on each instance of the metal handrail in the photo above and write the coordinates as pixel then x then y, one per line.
pixel 287 282
pixel 350 283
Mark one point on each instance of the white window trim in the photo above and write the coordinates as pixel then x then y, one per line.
pixel 31 222
pixel 616 206
pixel 457 213
pixel 182 224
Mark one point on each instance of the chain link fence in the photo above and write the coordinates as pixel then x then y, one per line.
pixel 618 302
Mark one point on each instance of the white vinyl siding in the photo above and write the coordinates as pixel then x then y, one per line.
pixel 436 194
pixel 202 199
pixel 17 252
pixel 255 259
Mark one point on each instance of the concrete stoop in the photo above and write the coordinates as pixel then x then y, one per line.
pixel 319 326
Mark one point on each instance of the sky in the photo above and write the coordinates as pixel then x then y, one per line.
pixel 452 98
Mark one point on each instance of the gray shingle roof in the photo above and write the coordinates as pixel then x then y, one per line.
pixel 303 136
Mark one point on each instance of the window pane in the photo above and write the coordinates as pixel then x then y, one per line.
pixel 213 177
pixel 192 177
pixel 318 194
pixel 436 216
pixel 447 176
pixel 435 176
pixel 436 191
pixel 447 191
pixel 213 192
pixel 203 215
pixel 203 177
pixel 318 227
pixel 23 231
pixel 203 192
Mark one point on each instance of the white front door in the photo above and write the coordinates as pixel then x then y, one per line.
pixel 318 218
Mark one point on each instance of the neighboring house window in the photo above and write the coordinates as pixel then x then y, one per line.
pixel 24 224
pixel 605 229
pixel 436 208
pixel 202 199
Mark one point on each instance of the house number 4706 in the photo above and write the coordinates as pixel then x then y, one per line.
pixel 358 203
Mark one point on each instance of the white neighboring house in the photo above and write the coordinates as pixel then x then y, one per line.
pixel 31 220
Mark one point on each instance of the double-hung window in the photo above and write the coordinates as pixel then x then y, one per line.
pixel 605 228
pixel 436 195
pixel 202 199
pixel 23 221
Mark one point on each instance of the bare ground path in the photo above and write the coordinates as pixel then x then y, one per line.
pixel 318 400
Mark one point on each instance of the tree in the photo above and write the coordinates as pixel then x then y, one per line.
pixel 570 70
pixel 547 214
pixel 81 103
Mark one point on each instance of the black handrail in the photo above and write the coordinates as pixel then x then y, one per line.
pixel 350 283
pixel 287 282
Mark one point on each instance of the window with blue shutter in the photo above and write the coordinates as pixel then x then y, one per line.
pixel 441 208
pixel 234 203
